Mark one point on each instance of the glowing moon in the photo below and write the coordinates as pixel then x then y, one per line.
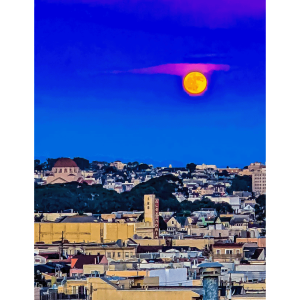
pixel 195 83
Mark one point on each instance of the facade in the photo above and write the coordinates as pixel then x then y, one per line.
pixel 83 232
pixel 118 164
pixel 227 251
pixel 103 289
pixel 255 166
pixel 204 167
pixel 259 181
pixel 64 170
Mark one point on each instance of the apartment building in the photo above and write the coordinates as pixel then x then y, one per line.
pixel 259 181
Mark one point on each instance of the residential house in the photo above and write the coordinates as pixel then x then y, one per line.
pixel 227 251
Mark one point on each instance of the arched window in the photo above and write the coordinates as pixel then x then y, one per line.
pixel 60 171
pixel 55 170
pixel 70 170
pixel 66 171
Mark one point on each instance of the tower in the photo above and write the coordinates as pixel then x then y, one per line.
pixel 149 209
pixel 151 213
pixel 210 273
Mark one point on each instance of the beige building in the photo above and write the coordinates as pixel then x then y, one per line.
pixel 259 181
pixel 100 288
pixel 204 167
pixel 64 170
pixel 255 166
pixel 118 164
pixel 230 170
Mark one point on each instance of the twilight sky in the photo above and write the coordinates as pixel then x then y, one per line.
pixel 108 80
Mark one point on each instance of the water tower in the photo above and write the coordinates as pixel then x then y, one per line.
pixel 210 273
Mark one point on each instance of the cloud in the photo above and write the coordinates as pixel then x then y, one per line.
pixel 178 69
pixel 212 14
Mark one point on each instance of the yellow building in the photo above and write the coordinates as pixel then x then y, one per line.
pixel 83 232
pixel 103 289
pixel 99 232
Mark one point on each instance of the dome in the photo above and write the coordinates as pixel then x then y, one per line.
pixel 65 162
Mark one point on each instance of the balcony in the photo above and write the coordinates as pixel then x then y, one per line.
pixel 227 257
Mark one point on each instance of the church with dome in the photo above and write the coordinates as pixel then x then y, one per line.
pixel 64 170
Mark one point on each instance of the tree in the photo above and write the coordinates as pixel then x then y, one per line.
pixel 143 167
pixel 162 223
pixel 36 162
pixel 240 183
pixel 191 167
pixel 50 163
pixel 260 207
pixel 82 163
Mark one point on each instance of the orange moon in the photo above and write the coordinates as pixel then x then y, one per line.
pixel 195 83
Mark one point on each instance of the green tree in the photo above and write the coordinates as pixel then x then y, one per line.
pixel 82 163
pixel 240 183
pixel 50 163
pixel 191 167
pixel 162 223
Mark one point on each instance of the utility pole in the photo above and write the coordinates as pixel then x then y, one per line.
pixel 62 245
pixel 91 292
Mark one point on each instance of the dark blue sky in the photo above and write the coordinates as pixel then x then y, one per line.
pixel 82 109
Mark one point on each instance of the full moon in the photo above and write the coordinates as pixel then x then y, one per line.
pixel 195 83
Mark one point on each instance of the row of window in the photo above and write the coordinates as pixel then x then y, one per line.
pixel 113 254
pixel 65 171
pixel 228 251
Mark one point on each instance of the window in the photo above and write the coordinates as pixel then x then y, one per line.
pixel 66 171
pixel 70 170
pixel 237 251
pixel 218 251
pixel 60 171
pixel 113 254
pixel 119 254
pixel 126 254
pixel 228 251
pixel 108 254
pixel 55 170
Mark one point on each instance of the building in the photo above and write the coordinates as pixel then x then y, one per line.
pixel 103 289
pixel 230 170
pixel 118 165
pixel 88 263
pixel 150 227
pixel 97 232
pixel 89 229
pixel 255 166
pixel 259 181
pixel 223 252
pixel 204 167
pixel 64 170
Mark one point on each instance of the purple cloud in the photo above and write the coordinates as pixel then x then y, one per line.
pixel 213 14
pixel 178 69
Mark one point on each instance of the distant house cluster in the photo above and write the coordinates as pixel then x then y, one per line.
pixel 204 181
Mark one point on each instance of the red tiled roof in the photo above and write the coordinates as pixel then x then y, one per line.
pixel 65 162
